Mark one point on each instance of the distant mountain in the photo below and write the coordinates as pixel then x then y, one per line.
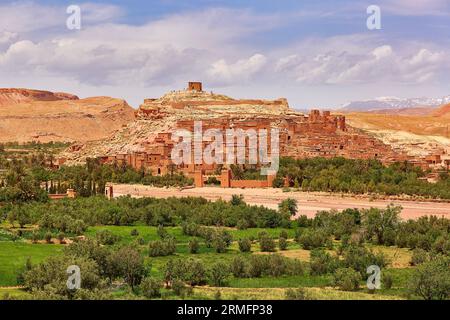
pixel 386 103
pixel 443 111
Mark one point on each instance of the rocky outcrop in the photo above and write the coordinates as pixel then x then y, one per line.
pixel 13 96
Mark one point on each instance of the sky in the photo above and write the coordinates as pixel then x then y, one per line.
pixel 317 53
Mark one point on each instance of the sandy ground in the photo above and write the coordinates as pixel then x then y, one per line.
pixel 308 203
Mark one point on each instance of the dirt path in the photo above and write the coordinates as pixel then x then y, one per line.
pixel 308 203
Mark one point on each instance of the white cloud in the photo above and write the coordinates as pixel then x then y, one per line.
pixel 368 62
pixel 244 69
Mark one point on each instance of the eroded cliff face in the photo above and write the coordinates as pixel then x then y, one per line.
pixel 32 115
pixel 13 96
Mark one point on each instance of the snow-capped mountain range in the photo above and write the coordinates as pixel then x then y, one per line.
pixel 383 103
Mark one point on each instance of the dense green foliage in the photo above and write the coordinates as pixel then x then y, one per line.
pixel 360 176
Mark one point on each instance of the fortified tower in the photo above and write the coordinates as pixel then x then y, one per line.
pixel 195 86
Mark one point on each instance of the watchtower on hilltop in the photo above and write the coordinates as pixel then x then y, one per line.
pixel 195 86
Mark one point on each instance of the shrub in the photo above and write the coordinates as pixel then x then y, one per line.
pixel 61 238
pixel 297 294
pixel 284 234
pixel 48 237
pixel 189 270
pixel 181 289
pixel 128 263
pixel 317 238
pixel 273 265
pixel 242 224
pixel 218 274
pixel 282 243
pixel 442 245
pixel 219 244
pixel 238 267
pixel 419 256
pixel 194 246
pixel 162 232
pixel 294 267
pixel 288 206
pixel 237 200
pixel 266 243
pixel 347 279
pixel 321 262
pixel 431 280
pixel 388 281
pixel 151 288
pixel 303 221
pixel 256 266
pixel 221 241
pixel 161 248
pixel 245 245
pixel 106 237
pixel 191 229
pixel 359 258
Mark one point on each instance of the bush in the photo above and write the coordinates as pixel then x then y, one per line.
pixel 191 229
pixel 288 206
pixel 388 281
pixel 321 262
pixel 151 288
pixel 242 224
pixel 303 222
pixel 181 289
pixel 221 241
pixel 266 243
pixel 238 267
pixel 162 232
pixel 282 243
pixel 297 294
pixel 347 279
pixel 317 238
pixel 237 200
pixel 419 256
pixel 128 263
pixel 189 270
pixel 273 265
pixel 256 266
pixel 431 280
pixel 161 248
pixel 194 246
pixel 218 274
pixel 245 245
pixel 359 258
pixel 106 237
pixel 48 237
pixel 284 234
pixel 61 238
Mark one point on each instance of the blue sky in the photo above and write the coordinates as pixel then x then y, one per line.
pixel 315 53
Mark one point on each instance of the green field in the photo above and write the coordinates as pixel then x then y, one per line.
pixel 13 256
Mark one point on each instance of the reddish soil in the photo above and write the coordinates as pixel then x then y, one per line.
pixel 308 203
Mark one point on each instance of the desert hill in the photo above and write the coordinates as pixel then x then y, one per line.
pixel 13 96
pixel 417 135
pixel 443 111
pixel 33 115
